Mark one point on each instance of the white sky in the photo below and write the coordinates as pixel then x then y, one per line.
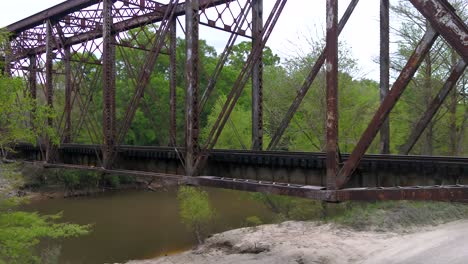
pixel 301 20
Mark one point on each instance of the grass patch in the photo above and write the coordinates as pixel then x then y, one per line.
pixel 396 215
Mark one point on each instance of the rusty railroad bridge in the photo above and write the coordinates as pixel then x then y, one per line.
pixel 97 26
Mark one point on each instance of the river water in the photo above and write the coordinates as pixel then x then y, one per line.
pixel 140 224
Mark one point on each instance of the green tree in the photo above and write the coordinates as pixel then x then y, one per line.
pixel 20 232
pixel 195 210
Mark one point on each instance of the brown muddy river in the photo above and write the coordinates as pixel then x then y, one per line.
pixel 140 224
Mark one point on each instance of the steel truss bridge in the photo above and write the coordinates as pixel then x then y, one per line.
pixel 81 32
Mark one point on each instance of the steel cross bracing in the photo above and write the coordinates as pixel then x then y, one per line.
pixel 85 35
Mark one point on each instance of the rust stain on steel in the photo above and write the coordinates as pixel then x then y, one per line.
pixel 332 93
pixel 108 82
pixel 384 70
pixel 257 77
pixel 444 19
pixel 192 86
pixel 387 105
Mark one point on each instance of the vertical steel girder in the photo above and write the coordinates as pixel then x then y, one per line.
pixel 387 105
pixel 436 103
pixel 108 82
pixel 301 93
pixel 192 83
pixel 257 77
pixel 384 71
pixel 445 21
pixel 332 93
pixel 173 83
pixel 68 96
pixel 49 84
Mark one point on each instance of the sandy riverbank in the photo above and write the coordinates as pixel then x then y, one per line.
pixel 308 242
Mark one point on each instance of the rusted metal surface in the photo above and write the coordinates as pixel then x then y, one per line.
pixel 87 16
pixel 303 191
pixel 76 30
pixel 447 193
pixel 436 103
pixel 384 71
pixel 108 80
pixel 387 105
pixel 301 93
pixel 192 81
pixel 49 84
pixel 444 20
pixel 257 77
pixel 331 68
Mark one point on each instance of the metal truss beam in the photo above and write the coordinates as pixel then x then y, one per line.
pixel 117 27
pixel 384 70
pixel 49 84
pixel 257 77
pixel 332 93
pixel 387 105
pixel 108 80
pixel 444 20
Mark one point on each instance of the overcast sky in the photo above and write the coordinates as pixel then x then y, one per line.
pixel 301 20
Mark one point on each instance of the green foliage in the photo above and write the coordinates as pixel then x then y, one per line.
pixel 20 232
pixel 195 209
pixel 393 215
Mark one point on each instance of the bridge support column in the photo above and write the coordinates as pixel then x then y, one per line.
pixel 257 77
pixel 192 85
pixel 108 75
pixel 332 93
pixel 384 71
pixel 49 86
pixel 68 92
pixel 173 82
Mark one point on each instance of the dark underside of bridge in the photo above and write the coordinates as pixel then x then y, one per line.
pixel 302 174
pixel 67 33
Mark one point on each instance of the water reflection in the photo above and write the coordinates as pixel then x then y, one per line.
pixel 140 224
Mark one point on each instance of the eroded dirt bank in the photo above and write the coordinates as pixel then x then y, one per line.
pixel 308 242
